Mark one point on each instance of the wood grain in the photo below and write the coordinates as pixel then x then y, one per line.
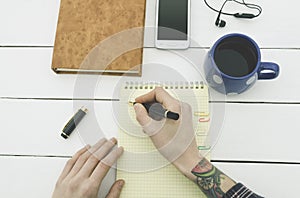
pixel 43 83
pixel 249 131
pixel 36 177
pixel 88 27
pixel 33 23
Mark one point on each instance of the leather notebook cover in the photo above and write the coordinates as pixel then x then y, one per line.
pixel 88 38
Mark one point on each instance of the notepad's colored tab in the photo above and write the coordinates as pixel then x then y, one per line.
pixel 201 113
pixel 204 148
pixel 204 119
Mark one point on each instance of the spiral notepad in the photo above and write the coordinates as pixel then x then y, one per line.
pixel 146 172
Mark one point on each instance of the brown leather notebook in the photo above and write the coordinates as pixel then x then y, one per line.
pixel 99 36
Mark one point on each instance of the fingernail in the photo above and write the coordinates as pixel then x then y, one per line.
pixel 114 140
pixel 121 183
pixel 137 107
pixel 121 148
pixel 88 146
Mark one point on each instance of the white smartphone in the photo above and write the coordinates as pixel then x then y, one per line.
pixel 172 24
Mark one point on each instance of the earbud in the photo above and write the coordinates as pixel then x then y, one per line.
pixel 219 22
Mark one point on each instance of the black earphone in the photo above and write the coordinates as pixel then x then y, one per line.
pixel 221 23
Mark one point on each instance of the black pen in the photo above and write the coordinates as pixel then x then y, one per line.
pixel 73 122
pixel 157 112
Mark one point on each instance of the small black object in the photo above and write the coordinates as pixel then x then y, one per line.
pixel 172 115
pixel 73 122
pixel 221 23
pixel 244 15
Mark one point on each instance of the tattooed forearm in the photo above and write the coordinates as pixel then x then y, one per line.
pixel 211 180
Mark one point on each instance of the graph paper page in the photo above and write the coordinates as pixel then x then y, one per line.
pixel 146 173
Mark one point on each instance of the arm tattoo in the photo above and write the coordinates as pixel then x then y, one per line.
pixel 211 180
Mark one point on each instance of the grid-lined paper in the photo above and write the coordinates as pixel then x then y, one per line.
pixel 146 172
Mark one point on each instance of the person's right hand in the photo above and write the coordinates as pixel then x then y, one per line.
pixel 175 140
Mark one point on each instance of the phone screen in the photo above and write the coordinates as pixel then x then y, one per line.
pixel 172 20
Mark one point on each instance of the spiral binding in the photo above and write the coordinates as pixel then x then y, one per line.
pixel 165 85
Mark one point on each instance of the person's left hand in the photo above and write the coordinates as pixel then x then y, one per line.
pixel 84 172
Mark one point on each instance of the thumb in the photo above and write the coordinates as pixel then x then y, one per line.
pixel 141 114
pixel 150 126
pixel 116 189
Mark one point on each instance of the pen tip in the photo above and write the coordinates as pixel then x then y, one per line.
pixel 131 103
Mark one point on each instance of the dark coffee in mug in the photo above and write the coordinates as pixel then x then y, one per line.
pixel 233 64
pixel 236 56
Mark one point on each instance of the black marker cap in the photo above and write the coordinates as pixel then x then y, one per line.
pixel 73 122
pixel 172 115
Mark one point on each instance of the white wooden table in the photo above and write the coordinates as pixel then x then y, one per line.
pixel 259 143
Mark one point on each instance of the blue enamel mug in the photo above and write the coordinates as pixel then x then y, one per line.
pixel 233 64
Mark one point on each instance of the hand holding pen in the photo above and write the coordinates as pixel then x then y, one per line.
pixel 175 140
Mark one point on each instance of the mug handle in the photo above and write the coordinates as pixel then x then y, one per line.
pixel 268 70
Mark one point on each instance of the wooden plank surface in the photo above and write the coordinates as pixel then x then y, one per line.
pixel 36 177
pixel 250 132
pixel 270 30
pixel 32 177
pixel 28 23
pixel 33 127
pixel 259 132
pixel 33 23
pixel 270 180
pixel 27 73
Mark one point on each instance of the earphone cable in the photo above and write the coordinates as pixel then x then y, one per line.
pixel 248 5
pixel 251 6
pixel 223 5
pixel 224 13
